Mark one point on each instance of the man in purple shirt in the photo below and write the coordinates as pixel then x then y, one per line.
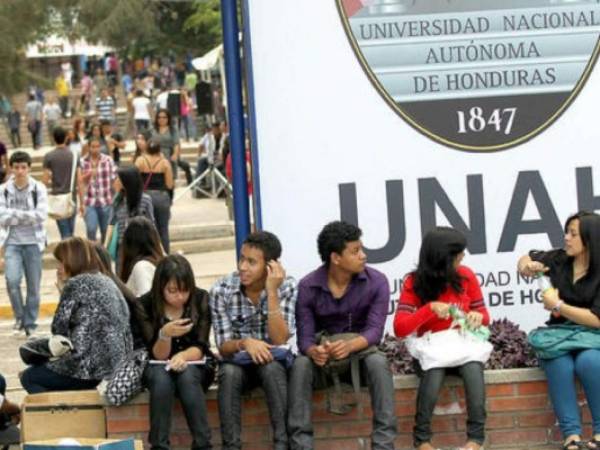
pixel 341 296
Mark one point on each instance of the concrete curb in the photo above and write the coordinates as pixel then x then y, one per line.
pixel 47 309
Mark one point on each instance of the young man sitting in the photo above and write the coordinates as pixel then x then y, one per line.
pixel 252 313
pixel 341 296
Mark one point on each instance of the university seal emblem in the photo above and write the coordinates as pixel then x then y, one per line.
pixel 480 75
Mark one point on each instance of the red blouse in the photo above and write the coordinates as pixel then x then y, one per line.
pixel 413 315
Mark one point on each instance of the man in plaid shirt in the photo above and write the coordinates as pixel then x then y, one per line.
pixel 253 311
pixel 98 173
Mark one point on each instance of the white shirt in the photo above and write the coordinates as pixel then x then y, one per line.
pixel 140 108
pixel 140 280
pixel 209 143
pixel 161 100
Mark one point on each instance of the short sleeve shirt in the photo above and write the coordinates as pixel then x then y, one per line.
pixel 581 294
pixel 60 162
pixel 167 141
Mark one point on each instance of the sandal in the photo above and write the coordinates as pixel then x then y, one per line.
pixel 595 444
pixel 574 445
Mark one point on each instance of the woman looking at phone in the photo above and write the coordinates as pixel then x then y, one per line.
pixel 174 319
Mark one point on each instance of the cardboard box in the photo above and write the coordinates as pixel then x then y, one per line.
pixel 86 444
pixel 73 414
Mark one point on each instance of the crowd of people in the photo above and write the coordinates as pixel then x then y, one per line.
pixel 335 313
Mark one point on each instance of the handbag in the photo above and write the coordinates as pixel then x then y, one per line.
pixel 448 348
pixel 126 381
pixel 557 340
pixel 62 206
pixel 39 351
pixel 113 242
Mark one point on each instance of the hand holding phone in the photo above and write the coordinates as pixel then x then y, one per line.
pixel 177 327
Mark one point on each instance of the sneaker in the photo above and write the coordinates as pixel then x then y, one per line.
pixel 17 328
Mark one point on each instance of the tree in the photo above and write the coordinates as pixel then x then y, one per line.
pixel 132 27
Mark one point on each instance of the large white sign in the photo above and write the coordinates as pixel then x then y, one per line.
pixel 400 115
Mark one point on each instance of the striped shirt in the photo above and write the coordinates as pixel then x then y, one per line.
pixel 234 316
pixel 105 107
pixel 35 214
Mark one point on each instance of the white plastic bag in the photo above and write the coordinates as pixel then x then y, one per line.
pixel 447 348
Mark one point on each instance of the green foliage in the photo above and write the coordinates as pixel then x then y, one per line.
pixel 133 27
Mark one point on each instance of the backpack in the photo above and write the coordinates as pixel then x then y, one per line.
pixel 34 196
pixel 334 368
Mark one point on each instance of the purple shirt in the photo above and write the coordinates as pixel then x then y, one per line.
pixel 362 309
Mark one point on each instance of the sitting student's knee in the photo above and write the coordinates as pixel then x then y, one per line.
pixel 587 361
pixel 229 372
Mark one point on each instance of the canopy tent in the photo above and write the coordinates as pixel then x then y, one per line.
pixel 211 60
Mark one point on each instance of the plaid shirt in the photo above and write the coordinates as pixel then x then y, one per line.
pixel 234 316
pixel 99 192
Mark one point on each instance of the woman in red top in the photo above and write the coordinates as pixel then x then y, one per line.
pixel 439 282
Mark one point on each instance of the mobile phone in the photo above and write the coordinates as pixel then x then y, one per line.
pixel 186 322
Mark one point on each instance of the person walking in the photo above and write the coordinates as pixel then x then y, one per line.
pixel 14 124
pixel 23 211
pixel 98 173
pixel 168 137
pixel 51 114
pixel 157 176
pixel 33 114
pixel 61 172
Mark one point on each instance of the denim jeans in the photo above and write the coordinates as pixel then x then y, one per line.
pixel 233 380
pixel 375 372
pixel 96 217
pixel 19 260
pixel 162 214
pixel 66 227
pixel 431 382
pixel 37 379
pixel 190 386
pixel 561 373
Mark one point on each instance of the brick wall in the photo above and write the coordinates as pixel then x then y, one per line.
pixel 519 416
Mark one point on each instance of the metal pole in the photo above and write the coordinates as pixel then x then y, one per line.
pixel 235 112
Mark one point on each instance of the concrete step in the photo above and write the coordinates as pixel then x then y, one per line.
pixel 207 266
pixel 184 247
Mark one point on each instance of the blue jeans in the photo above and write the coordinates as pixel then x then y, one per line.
pixel 96 217
pixel 19 260
pixel 66 227
pixel 37 379
pixel 561 373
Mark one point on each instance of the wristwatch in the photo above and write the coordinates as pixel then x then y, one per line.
pixel 556 308
pixel 162 336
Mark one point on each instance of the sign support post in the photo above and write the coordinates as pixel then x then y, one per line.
pixel 235 111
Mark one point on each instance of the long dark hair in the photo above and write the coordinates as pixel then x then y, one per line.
pixel 172 267
pixel 169 119
pixel 131 179
pixel 589 230
pixel 138 151
pixel 436 271
pixel 140 242
pixel 106 269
